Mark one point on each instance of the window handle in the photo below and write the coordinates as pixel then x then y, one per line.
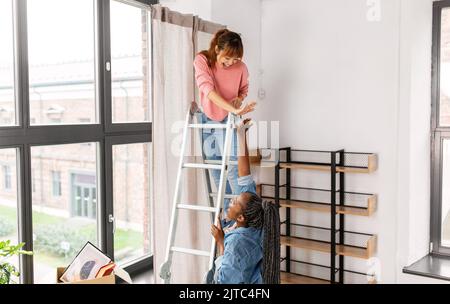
pixel 113 221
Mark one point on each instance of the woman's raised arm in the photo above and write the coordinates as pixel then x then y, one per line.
pixel 243 157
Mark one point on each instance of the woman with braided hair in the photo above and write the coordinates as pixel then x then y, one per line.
pixel 249 253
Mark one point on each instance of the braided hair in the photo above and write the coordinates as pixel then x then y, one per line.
pixel 265 215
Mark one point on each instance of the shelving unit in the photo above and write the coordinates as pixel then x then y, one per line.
pixel 334 201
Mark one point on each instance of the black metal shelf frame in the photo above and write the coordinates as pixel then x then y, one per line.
pixel 263 185
pixel 283 259
pixel 356 160
pixel 337 158
pixel 323 241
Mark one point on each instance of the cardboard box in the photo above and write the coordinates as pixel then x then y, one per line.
pixel 111 279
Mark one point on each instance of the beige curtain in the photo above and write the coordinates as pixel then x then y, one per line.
pixel 175 40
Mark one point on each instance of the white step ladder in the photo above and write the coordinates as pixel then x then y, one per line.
pixel 214 208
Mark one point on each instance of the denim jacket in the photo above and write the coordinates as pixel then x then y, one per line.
pixel 242 259
pixel 243 254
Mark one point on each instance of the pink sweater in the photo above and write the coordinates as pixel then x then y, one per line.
pixel 228 82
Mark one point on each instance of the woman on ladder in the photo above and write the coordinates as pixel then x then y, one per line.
pixel 222 80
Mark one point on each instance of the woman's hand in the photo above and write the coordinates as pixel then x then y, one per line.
pixel 218 234
pixel 237 102
pixel 250 107
pixel 226 230
pixel 228 105
pixel 244 126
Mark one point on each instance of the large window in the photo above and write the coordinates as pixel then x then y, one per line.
pixel 75 131
pixel 61 61
pixel 7 104
pixel 58 233
pixel 445 217
pixel 444 67
pixel 8 198
pixel 440 185
pixel 131 201
pixel 130 63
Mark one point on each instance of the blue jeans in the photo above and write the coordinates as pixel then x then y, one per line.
pixel 213 141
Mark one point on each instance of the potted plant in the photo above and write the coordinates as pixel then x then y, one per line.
pixel 7 270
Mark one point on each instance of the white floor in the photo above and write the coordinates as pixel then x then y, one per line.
pixel 144 278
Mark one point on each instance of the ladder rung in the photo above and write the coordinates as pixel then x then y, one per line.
pixel 196 208
pixel 190 251
pixel 208 126
pixel 214 194
pixel 217 162
pixel 202 166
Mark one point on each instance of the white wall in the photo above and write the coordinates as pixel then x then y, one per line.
pixel 334 78
pixel 338 80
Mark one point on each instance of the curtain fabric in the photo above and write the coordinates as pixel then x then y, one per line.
pixel 176 38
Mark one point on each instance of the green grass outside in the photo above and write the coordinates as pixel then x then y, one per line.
pixel 38 217
pixel 123 238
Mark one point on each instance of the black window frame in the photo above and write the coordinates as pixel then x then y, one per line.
pixel 438 135
pixel 23 136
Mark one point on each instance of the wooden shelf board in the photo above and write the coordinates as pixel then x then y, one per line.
pixel 368 211
pixel 372 166
pixel 324 168
pixel 291 278
pixel 362 253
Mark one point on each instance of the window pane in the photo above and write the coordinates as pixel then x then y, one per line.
pixel 62 223
pixel 446 193
pixel 130 63
pixel 7 104
pixel 445 70
pixel 131 178
pixel 56 183
pixel 8 200
pixel 61 59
